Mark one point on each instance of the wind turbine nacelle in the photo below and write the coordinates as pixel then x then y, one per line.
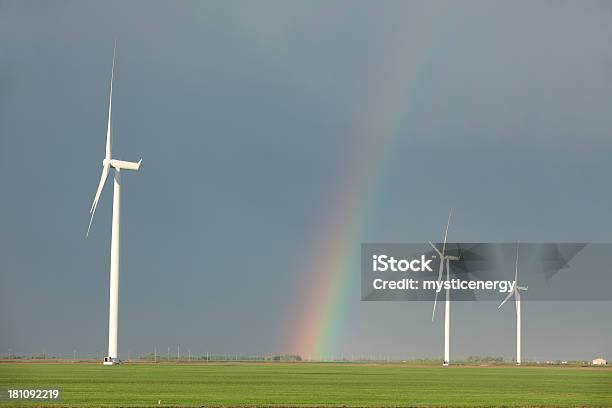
pixel 125 165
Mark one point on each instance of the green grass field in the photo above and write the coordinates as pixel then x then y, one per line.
pixel 312 384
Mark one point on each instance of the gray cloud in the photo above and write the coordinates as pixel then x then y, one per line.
pixel 244 115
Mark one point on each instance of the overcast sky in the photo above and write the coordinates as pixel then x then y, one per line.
pixel 250 118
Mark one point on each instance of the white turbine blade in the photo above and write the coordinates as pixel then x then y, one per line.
pixel 109 136
pixel 433 313
pixel 99 189
pixel 441 271
pixel 516 264
pixel 92 210
pixel 436 249
pixel 446 232
pixel 506 299
pixel 121 164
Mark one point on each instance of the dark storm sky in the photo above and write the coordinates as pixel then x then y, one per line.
pixel 245 114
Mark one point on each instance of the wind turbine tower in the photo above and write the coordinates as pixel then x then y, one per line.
pixel 444 259
pixel 117 165
pixel 517 305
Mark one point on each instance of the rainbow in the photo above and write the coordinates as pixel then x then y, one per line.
pixel 332 280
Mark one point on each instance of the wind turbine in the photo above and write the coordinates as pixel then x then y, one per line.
pixel 517 304
pixel 118 165
pixel 444 259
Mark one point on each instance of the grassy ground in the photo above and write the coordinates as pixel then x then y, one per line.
pixel 312 384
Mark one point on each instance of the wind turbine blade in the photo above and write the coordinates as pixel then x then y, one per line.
pixel 436 249
pixel 122 164
pixel 516 264
pixel 441 271
pixel 92 210
pixel 506 299
pixel 433 313
pixel 446 231
pixel 109 135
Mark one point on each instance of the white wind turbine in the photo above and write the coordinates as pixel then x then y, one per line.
pixel 118 165
pixel 517 304
pixel 444 258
